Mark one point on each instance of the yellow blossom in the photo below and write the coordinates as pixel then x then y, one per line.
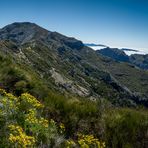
pixel 30 100
pixel 19 138
pixel 89 140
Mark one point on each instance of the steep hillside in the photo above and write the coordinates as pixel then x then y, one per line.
pixel 65 65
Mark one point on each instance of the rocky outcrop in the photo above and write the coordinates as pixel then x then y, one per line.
pixel 67 84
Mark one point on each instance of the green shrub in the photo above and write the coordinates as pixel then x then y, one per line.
pixel 126 128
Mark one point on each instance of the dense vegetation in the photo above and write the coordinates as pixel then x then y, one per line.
pixel 69 123
pixel 22 125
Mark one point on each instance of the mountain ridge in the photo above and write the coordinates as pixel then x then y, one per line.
pixel 67 65
pixel 138 60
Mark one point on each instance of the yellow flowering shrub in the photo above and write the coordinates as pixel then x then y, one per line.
pixel 70 143
pixel 30 128
pixel 30 101
pixel 8 104
pixel 87 141
pixel 38 124
pixel 30 117
pixel 62 128
pixel 43 122
pixel 25 127
pixel 18 137
pixel 2 92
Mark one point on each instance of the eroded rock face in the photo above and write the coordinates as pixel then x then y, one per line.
pixel 68 84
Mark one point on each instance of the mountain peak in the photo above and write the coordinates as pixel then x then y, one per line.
pixel 21 25
pixel 22 32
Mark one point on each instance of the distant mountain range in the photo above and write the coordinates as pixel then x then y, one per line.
pixel 138 60
pixel 123 54
pixel 128 51
pixel 36 60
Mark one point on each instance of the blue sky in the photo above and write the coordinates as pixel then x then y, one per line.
pixel 116 23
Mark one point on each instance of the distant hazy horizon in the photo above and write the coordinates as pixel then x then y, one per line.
pixel 113 23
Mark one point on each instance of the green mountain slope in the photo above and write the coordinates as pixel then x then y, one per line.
pixel 65 65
